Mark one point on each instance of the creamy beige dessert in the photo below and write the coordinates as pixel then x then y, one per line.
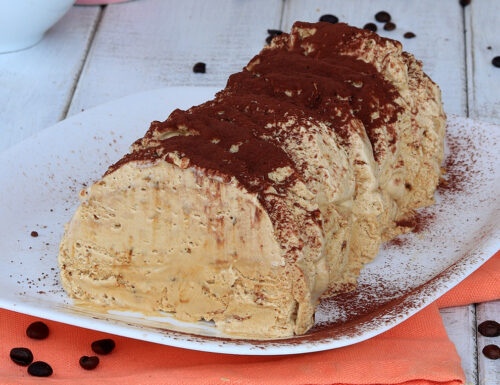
pixel 245 210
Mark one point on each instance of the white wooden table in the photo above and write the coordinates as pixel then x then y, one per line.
pixel 96 54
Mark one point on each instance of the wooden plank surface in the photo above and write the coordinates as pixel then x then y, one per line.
pixel 482 33
pixel 489 370
pixel 150 44
pixel 482 19
pixel 460 324
pixel 437 24
pixel 36 84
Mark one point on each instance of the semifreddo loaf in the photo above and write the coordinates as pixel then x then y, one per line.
pixel 248 208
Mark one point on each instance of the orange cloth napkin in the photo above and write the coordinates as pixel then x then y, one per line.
pixel 416 352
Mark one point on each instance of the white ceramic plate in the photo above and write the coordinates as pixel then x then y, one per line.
pixel 41 177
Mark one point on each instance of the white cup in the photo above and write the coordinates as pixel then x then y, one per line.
pixel 23 22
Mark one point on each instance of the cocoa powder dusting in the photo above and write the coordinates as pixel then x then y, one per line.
pixel 287 82
pixel 457 165
pixel 396 242
pixel 418 223
pixel 423 220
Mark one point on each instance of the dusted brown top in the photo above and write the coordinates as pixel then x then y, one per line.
pixel 329 89
pixel 329 37
pixel 237 135
pixel 249 165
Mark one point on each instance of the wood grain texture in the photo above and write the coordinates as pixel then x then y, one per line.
pixel 489 370
pixel 36 84
pixel 440 45
pixel 438 25
pixel 482 42
pixel 150 44
pixel 482 31
pixel 482 19
pixel 460 324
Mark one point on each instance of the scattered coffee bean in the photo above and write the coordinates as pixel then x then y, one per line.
pixel 89 363
pixel 370 27
pixel 21 356
pixel 34 234
pixel 329 19
pixel 383 17
pixel 409 35
pixel 104 346
pixel 492 352
pixel 489 328
pixel 496 61
pixel 40 369
pixel 489 47
pixel 37 330
pixel 390 26
pixel 272 33
pixel 465 3
pixel 199 68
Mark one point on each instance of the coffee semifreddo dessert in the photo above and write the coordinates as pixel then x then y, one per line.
pixel 248 208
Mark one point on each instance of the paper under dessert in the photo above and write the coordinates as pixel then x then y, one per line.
pixel 248 208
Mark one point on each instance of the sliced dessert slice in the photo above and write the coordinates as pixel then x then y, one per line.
pixel 314 146
pixel 188 228
pixel 322 88
pixel 421 146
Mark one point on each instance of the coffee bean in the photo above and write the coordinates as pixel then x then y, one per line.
pixel 492 352
pixel 37 330
pixel 465 3
pixel 409 35
pixel 104 346
pixel 272 33
pixel 390 26
pixel 329 19
pixel 496 61
pixel 34 234
pixel 383 17
pixel 370 27
pixel 489 47
pixel 89 363
pixel 199 68
pixel 40 369
pixel 21 356
pixel 489 328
